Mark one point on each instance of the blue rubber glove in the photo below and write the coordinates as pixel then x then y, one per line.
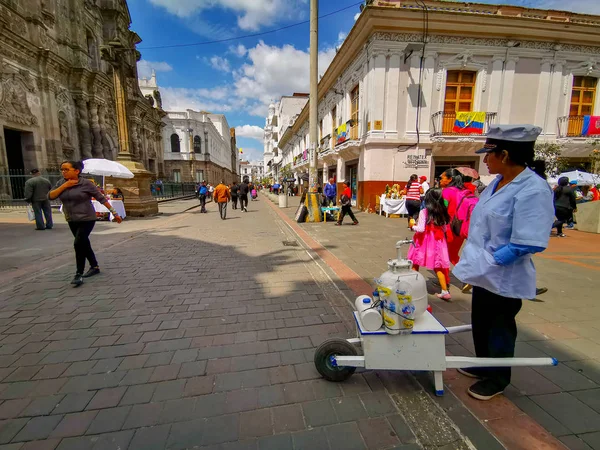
pixel 510 253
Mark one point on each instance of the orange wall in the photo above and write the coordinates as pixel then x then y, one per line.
pixel 368 191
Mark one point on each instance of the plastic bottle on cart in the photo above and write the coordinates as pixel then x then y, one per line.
pixel 369 314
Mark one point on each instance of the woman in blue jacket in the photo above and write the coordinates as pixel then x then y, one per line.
pixel 511 221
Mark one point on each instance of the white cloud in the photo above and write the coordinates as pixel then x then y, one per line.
pixel 238 50
pixel 356 16
pixel 341 37
pixel 275 71
pixel 219 63
pixel 213 100
pixel 250 131
pixel 145 67
pixel 251 14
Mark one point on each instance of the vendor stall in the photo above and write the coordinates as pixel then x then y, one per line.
pixel 392 206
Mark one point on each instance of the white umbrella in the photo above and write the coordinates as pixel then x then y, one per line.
pixel 582 178
pixel 106 168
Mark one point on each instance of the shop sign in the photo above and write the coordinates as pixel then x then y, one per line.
pixel 416 161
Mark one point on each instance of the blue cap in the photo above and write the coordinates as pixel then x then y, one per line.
pixel 376 292
pixel 573 182
pixel 366 300
pixel 513 136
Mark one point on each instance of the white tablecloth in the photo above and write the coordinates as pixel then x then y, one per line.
pixel 389 206
pixel 117 204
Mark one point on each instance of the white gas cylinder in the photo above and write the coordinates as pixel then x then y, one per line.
pixel 369 314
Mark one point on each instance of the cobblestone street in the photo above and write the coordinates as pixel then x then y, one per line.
pixel 200 333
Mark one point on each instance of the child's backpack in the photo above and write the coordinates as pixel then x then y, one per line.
pixel 462 217
pixel 203 190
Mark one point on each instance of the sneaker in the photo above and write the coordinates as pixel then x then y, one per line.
pixel 77 280
pixel 562 235
pixel 466 288
pixel 471 373
pixel 90 273
pixel 484 390
pixel 444 296
pixel 355 223
pixel 540 291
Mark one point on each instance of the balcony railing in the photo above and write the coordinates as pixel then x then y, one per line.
pixel 572 126
pixel 443 124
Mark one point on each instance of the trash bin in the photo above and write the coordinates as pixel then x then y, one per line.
pixel 283 201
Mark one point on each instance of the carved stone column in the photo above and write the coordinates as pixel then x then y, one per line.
pixel 139 201
pixel 97 149
pixel 83 128
pixel 106 150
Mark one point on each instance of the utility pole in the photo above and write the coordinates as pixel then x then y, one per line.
pixel 314 98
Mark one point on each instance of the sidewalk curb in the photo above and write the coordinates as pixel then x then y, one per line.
pixel 516 430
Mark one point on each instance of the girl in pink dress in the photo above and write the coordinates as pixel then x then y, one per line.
pixel 430 247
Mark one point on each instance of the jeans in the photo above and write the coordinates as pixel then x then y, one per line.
pixel 329 200
pixel 223 210
pixel 83 247
pixel 347 209
pixel 38 209
pixel 243 202
pixel 202 203
pixel 494 331
pixel 234 200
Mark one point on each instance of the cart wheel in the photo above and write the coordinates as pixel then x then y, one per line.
pixel 325 361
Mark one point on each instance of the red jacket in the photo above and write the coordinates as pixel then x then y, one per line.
pixel 347 192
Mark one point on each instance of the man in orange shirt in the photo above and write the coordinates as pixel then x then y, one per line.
pixel 221 196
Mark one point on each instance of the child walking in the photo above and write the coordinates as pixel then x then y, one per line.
pixel 430 248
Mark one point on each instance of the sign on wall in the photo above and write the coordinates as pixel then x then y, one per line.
pixel 416 161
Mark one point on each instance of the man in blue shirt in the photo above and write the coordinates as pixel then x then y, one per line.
pixel 330 192
pixel 202 193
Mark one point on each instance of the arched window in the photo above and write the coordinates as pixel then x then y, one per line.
pixel 197 144
pixel 175 145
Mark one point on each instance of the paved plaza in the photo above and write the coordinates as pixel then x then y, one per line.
pixel 200 333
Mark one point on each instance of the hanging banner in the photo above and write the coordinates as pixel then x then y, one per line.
pixel 591 126
pixel 469 122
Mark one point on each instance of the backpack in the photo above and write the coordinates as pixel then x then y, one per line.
pixel 344 200
pixel 203 190
pixel 462 217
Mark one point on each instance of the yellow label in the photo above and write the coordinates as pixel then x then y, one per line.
pixel 389 322
pixel 383 290
pixel 408 324
pixel 404 298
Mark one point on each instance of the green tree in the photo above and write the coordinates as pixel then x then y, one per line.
pixel 550 153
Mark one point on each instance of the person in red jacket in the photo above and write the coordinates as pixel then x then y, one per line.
pixel 346 205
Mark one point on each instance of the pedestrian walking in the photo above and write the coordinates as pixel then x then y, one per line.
pixel 243 195
pixel 36 193
pixel 510 223
pixel 564 205
pixel 413 193
pixel 430 246
pixel 221 196
pixel 211 190
pixel 345 200
pixel 202 193
pixel 75 193
pixel 330 192
pixel 235 188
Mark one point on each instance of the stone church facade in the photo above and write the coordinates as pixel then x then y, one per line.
pixel 57 86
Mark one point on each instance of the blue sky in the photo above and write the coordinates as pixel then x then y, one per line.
pixel 240 78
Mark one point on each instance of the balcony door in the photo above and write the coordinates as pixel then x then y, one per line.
pixel 460 93
pixel 583 96
pixel 354 95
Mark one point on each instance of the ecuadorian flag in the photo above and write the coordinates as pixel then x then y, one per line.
pixel 469 122
pixel 341 134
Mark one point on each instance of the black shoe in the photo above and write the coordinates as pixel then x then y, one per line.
pixel 77 280
pixel 355 223
pixel 48 228
pixel 540 291
pixel 39 229
pixel 471 373
pixel 485 390
pixel 90 273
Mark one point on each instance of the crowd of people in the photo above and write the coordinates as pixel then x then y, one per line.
pixel 222 194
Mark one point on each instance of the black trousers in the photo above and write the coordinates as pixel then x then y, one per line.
pixel 83 247
pixel 243 201
pixel 562 216
pixel 202 203
pixel 494 331
pixel 234 200
pixel 346 210
pixel 223 210
pixel 413 207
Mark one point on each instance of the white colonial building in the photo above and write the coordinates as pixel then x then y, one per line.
pixel 395 98
pixel 281 116
pixel 199 146
pixel 255 171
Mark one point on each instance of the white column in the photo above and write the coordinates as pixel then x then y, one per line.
pixel 325 173
pixel 378 91
pixel 542 97
pixel 507 91
pixel 554 100
pixel 393 80
pixel 494 84
pixel 428 78
pixel 413 89
pixel 341 170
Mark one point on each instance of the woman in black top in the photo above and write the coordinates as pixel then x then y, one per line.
pixel 564 205
pixel 76 193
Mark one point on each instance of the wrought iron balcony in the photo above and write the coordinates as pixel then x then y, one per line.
pixel 572 126
pixel 443 124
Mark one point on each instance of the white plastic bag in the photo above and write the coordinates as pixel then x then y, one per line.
pixel 30 213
